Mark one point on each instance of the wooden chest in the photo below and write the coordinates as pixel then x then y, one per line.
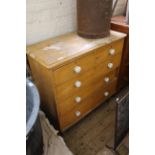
pixel 74 75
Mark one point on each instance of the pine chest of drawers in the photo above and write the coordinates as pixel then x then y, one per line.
pixel 75 75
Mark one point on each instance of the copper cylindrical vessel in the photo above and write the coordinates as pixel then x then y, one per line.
pixel 94 18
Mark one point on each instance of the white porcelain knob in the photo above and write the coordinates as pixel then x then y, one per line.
pixel 78 99
pixel 78 84
pixel 112 51
pixel 77 113
pixel 110 65
pixel 106 93
pixel 106 79
pixel 77 69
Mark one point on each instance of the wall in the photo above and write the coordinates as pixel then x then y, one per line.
pixel 120 8
pixel 49 18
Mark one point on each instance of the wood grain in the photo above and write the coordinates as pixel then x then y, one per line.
pixel 55 52
pixel 53 62
pixel 88 105
pixel 102 54
pixel 66 72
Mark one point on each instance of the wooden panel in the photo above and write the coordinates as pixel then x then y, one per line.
pixel 99 96
pixel 67 105
pixel 58 51
pixel 88 105
pixel 71 117
pixel 103 53
pixel 67 72
pixel 69 89
pixel 100 80
pixel 44 82
pixel 118 24
pixel 103 69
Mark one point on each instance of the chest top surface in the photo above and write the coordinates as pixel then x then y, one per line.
pixel 56 51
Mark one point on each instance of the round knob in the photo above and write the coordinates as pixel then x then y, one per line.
pixel 106 79
pixel 77 69
pixel 106 93
pixel 78 84
pixel 78 99
pixel 110 65
pixel 77 113
pixel 112 51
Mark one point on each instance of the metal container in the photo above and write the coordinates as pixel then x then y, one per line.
pixel 34 139
pixel 94 18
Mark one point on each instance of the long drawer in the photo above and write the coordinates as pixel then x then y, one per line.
pixel 85 107
pixel 106 79
pixel 74 69
pixel 73 86
pixel 109 65
pixel 75 100
pixel 108 52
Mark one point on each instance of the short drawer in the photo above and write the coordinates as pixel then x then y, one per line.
pixel 109 65
pixel 75 85
pixel 74 69
pixel 108 52
pixel 106 79
pixel 102 94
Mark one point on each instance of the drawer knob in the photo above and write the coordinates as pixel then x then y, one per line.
pixel 78 84
pixel 77 113
pixel 106 79
pixel 78 99
pixel 112 51
pixel 110 65
pixel 106 93
pixel 77 69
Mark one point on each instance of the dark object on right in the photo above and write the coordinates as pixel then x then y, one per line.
pixel 94 18
pixel 122 116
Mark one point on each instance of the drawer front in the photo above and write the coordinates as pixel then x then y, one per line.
pixel 74 86
pixel 76 99
pixel 74 69
pixel 108 52
pixel 102 94
pixel 106 79
pixel 65 106
pixel 76 114
pixel 86 106
pixel 108 65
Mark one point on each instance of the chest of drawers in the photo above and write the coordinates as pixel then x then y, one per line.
pixel 75 75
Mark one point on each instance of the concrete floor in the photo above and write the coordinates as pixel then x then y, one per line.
pixel 91 135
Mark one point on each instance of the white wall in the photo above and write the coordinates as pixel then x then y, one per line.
pixel 49 18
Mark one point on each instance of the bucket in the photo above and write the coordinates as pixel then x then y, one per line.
pixel 93 18
pixel 34 139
